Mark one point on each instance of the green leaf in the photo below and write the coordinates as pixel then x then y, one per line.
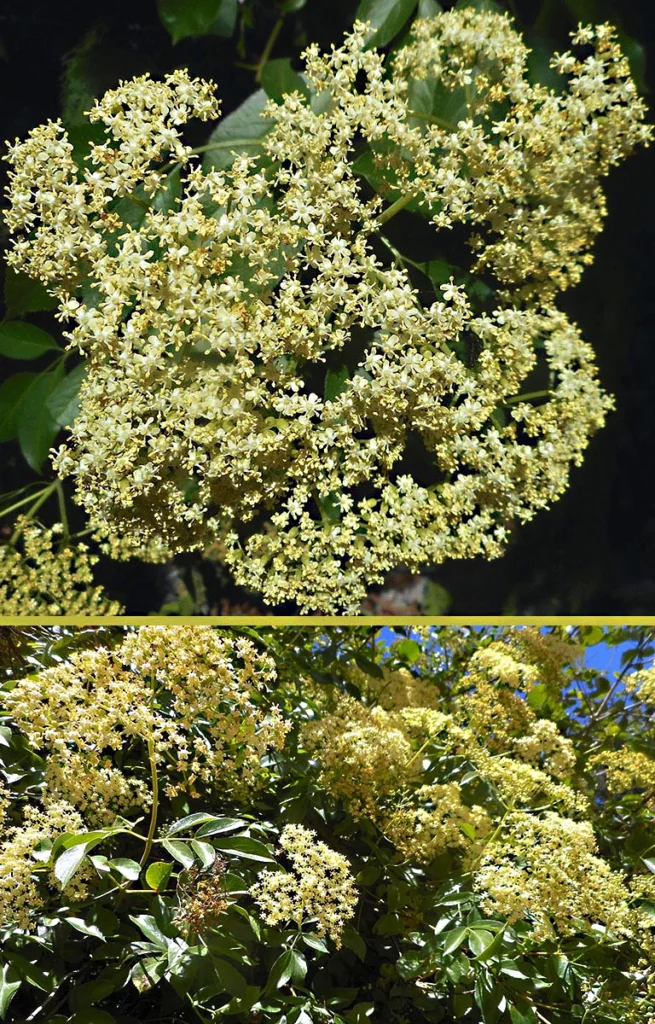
pixel 205 852
pixel 371 668
pixel 92 1016
pixel 85 929
pixel 650 864
pixel 279 79
pixel 126 867
pixel 148 926
pixel 180 850
pixel 299 970
pixel 289 6
pixel 428 8
pixel 436 599
pixel 184 18
pixel 408 651
pixel 281 971
pixel 336 381
pixel 63 403
pixel 25 295
pixel 8 989
pixel 492 948
pixel 69 862
pixel 158 874
pixel 25 341
pixel 353 941
pixel 479 940
pixel 12 395
pixel 248 849
pixel 231 979
pixel 537 696
pixel 37 427
pixel 225 21
pixel 192 819
pixel 454 939
pixel 488 998
pixel 242 131
pixel 215 826
pixel 315 942
pixel 524 1015
pixel 148 972
pixel 387 17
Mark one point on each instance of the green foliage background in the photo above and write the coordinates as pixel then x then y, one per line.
pixel 593 552
pixel 419 948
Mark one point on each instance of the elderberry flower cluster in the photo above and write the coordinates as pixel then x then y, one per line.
pixel 46 575
pixel 319 887
pixel 184 697
pixel 216 306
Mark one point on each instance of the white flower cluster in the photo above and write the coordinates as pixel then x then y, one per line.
pixel 210 320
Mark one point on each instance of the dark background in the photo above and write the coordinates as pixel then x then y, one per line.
pixel 594 551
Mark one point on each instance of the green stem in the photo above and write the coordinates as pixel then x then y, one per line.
pixel 395 208
pixel 447 125
pixel 155 803
pixel 266 52
pixel 531 394
pixel 31 512
pixel 61 500
pixel 19 504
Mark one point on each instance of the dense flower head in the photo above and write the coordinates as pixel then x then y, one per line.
pixel 319 887
pixel 546 870
pixel 21 885
pixel 186 691
pixel 257 373
pixel 43 574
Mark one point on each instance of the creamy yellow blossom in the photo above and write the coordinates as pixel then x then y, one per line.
pixel 210 319
pixel 546 870
pixel 45 575
pixel 319 887
pixel 186 690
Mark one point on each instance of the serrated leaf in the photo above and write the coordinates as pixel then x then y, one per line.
pixel 180 850
pixel 148 926
pixel 216 826
pixel 19 340
pixel 126 867
pixel 37 427
pixel 524 1015
pixel 231 979
pixel 148 972
pixel 184 18
pixel 198 818
pixel 12 395
pixel 453 939
pixel 281 971
pixel 479 940
pixel 158 874
pixel 68 863
pixel 336 381
pixel 353 941
pixel 315 942
pixel 243 846
pixel 242 131
pixel 387 17
pixel 8 989
pixel 23 294
pixel 85 929
pixel 63 402
pixel 279 79
pixel 205 852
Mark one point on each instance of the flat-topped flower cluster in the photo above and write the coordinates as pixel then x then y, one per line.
pixel 208 317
